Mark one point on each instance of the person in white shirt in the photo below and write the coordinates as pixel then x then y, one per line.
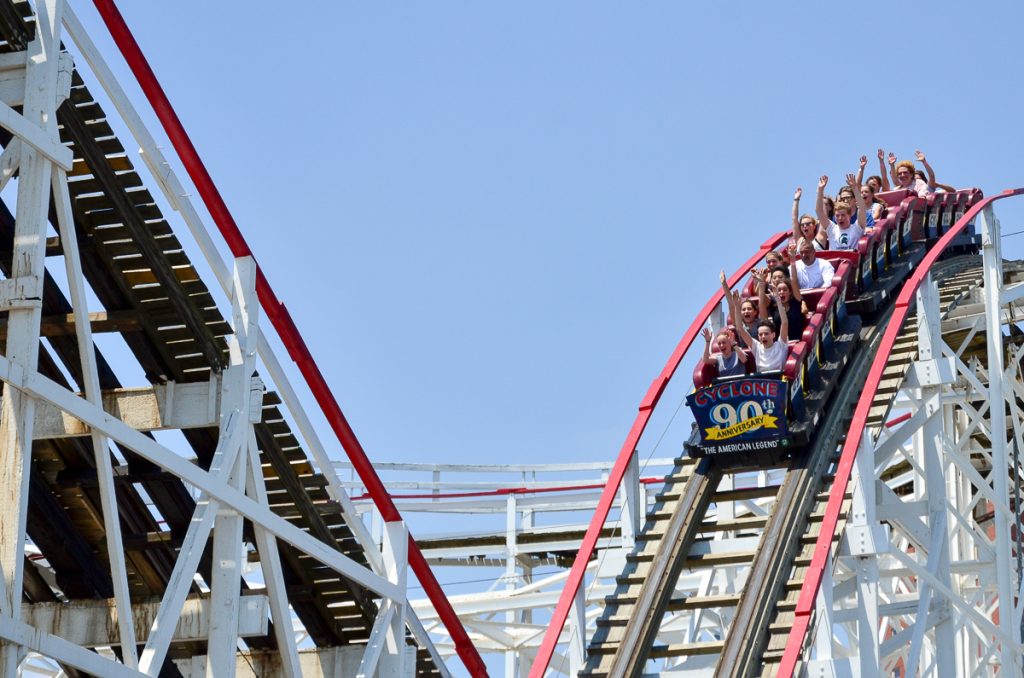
pixel 812 272
pixel 842 235
pixel 769 352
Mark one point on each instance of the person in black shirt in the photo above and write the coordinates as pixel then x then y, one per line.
pixel 791 306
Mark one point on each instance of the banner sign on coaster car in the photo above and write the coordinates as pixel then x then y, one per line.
pixel 742 415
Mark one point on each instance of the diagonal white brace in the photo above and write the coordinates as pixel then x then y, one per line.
pixel 232 438
pixel 377 640
pixel 31 134
pixel 90 374
pixel 270 562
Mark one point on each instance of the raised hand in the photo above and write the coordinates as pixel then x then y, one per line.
pixel 864 161
pixel 822 182
pixel 722 278
pixel 758 274
pixel 706 333
pixel 881 154
pixel 851 179
pixel 892 158
pixel 791 248
pixel 920 157
pixel 799 192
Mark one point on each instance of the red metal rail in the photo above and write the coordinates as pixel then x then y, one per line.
pixel 812 582
pixel 579 566
pixel 282 322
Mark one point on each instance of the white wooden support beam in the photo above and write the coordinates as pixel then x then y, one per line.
pixel 150 408
pixel 865 538
pixel 19 293
pixel 932 372
pixel 823 628
pixel 424 641
pixel 578 632
pixel 511 576
pixel 13 61
pixel 375 643
pixel 891 508
pixel 65 73
pixel 960 547
pixel 227 535
pixel 926 594
pixel 1013 293
pixel 12 81
pixel 37 126
pixel 632 515
pixel 396 555
pixel 867 613
pixel 91 385
pixel 992 264
pixel 270 561
pixel 232 438
pixel 93 623
pixel 527 523
pixel 225 580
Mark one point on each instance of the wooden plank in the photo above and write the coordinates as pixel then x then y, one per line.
pixel 90 623
pixel 139 198
pixel 115 163
pixel 126 180
pixel 64 325
pixel 102 215
pixel 148 277
pixel 164 406
pixel 110 146
pixel 90 111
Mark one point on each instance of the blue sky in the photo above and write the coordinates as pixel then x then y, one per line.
pixel 493 222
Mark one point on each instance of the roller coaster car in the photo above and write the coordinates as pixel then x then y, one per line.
pixel 757 419
pixel 764 418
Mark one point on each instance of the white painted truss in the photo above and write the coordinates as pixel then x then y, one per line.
pixel 927 578
pixel 523 514
pixel 40 639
